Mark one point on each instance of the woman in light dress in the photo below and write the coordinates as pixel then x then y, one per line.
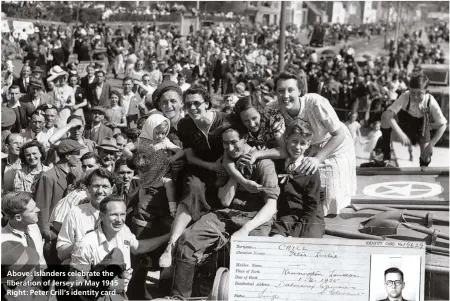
pixel 332 150
pixel 62 96
pixel 115 117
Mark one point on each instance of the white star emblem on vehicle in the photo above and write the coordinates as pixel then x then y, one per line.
pixel 402 189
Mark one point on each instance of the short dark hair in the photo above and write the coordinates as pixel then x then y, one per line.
pixel 15 202
pixel 200 90
pixel 419 81
pixel 394 271
pixel 32 143
pixel 71 117
pixel 236 127
pixel 126 79
pixel 90 155
pixel 100 173
pixel 103 208
pixel 300 127
pixel 117 135
pixel 122 161
pixel 13 87
pixel 243 104
pixel 285 75
pixel 37 112
pixel 100 71
pixel 73 75
pixel 118 94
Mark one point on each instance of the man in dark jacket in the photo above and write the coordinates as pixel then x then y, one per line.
pixel 51 188
pixel 394 284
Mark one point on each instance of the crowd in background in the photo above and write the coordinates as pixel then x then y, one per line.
pixel 71 142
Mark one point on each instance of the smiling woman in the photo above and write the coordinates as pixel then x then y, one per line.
pixel 32 154
pixel 331 143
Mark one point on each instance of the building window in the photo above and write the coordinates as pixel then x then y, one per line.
pixel 266 20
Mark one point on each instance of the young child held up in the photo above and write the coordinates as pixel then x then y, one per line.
pixel 155 154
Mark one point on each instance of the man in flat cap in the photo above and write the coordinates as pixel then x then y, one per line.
pixel 52 187
pixel 35 97
pixel 98 130
pixel 107 151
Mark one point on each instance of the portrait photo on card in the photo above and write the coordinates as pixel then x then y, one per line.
pixel 395 276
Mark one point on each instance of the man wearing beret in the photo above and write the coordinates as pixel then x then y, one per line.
pixel 52 187
pixel 35 97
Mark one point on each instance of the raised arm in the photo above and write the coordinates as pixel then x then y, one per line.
pixel 62 132
pixel 269 180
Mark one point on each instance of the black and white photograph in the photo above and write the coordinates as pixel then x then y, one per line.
pixel 139 137
pixel 394 277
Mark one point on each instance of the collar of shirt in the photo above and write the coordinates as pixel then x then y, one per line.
pixel 96 127
pixel 295 164
pixel 16 231
pixel 99 87
pixel 36 101
pixel 49 131
pixel 17 104
pixel 18 162
pixel 102 237
pixel 129 96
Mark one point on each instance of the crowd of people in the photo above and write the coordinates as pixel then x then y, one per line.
pixel 205 140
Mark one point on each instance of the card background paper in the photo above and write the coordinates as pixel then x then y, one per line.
pixel 291 269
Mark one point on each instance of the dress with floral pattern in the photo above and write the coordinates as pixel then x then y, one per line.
pixel 26 180
pixel 152 160
pixel 271 127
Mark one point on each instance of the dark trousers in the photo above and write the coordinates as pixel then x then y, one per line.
pixel 143 263
pixel 209 234
pixel 218 81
